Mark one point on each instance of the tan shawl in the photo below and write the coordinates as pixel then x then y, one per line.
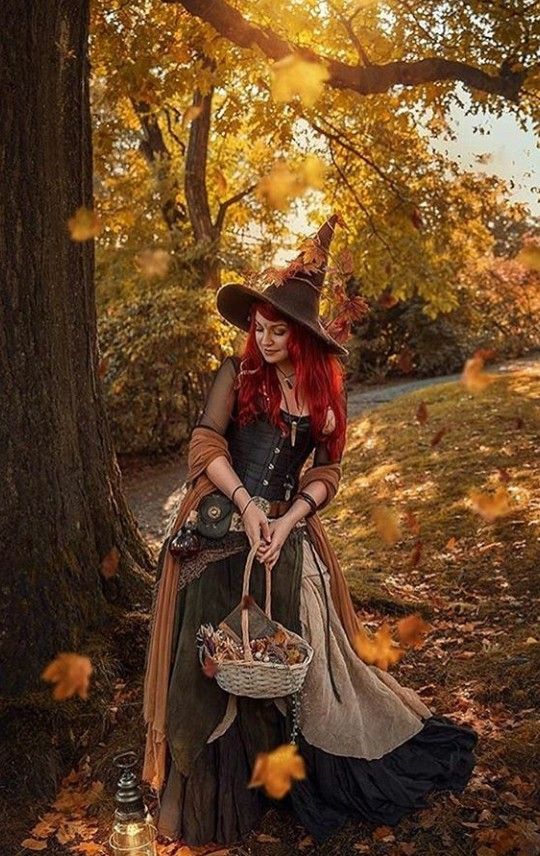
pixel 206 445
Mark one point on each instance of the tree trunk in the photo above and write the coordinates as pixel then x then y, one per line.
pixel 62 509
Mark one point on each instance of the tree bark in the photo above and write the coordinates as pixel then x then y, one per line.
pixel 62 509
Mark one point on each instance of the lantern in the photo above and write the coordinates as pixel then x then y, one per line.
pixel 133 833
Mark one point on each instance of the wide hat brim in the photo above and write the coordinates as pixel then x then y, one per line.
pixel 234 302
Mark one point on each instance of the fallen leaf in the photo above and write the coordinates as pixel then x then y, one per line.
pixel 32 844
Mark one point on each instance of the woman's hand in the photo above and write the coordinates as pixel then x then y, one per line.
pixel 256 524
pixel 279 529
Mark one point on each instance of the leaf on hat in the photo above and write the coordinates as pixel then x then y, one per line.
pixel 312 252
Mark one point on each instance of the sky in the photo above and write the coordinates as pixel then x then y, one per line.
pixel 515 153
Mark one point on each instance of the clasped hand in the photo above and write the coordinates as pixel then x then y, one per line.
pixel 271 534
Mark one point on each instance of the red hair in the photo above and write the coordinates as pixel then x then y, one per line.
pixel 319 380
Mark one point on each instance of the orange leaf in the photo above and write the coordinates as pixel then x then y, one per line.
pixel 491 506
pixel 422 413
pixel 109 565
pixel 84 225
pixel 473 377
pixel 412 631
pixel 276 770
pixel 71 674
pixel 191 114
pixel 387 523
pixel 436 439
pixel 32 844
pixel 379 650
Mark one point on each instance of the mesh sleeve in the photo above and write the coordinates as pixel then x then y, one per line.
pixel 322 455
pixel 217 410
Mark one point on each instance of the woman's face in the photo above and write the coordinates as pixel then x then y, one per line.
pixel 271 338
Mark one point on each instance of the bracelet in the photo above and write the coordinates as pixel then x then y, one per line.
pixel 245 506
pixel 310 501
pixel 238 486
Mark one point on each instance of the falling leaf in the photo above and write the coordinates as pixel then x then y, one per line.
pixel 294 75
pixel 422 413
pixel 279 186
pixel 412 521
pixel 451 543
pixel 387 300
pixel 109 564
pixel 405 360
pixel 221 182
pixel 416 219
pixel 387 523
pixel 380 649
pixel 153 263
pixel 416 554
pixel 191 114
pixel 312 172
pixel 473 377
pixel 490 506
pixel 276 770
pixel 84 225
pixel 412 631
pixel 71 674
pixel 437 437
pixel 32 844
pixel 529 257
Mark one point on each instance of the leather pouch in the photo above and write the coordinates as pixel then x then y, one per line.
pixel 214 515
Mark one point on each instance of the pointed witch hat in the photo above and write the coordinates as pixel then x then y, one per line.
pixel 294 291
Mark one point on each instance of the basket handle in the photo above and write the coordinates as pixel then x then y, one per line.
pixel 245 590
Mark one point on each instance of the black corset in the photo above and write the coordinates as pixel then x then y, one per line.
pixel 263 457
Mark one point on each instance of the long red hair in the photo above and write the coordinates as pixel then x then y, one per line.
pixel 319 381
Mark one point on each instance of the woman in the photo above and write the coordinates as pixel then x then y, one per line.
pixel 372 749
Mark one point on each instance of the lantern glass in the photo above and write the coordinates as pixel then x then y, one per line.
pixel 135 836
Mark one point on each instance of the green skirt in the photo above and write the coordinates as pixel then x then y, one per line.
pixel 215 775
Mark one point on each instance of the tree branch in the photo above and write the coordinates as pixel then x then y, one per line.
pixel 224 206
pixel 368 80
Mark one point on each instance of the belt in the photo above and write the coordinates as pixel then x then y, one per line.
pixel 271 507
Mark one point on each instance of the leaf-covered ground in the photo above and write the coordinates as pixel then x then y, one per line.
pixel 476 582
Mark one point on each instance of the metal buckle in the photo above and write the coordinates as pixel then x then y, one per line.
pixel 262 502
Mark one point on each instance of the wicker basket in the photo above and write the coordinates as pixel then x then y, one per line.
pixel 254 678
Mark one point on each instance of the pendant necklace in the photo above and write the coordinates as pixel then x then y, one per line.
pixel 287 377
pixel 294 417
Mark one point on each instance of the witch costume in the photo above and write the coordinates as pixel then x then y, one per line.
pixel 371 747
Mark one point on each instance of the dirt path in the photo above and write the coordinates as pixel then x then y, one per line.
pixel 153 488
